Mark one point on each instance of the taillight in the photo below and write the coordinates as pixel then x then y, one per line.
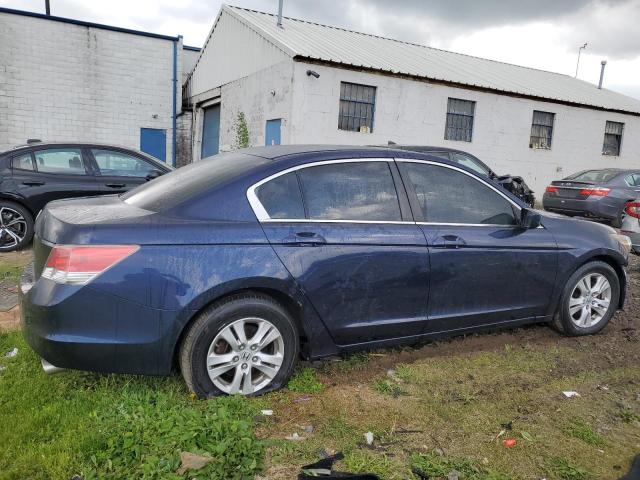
pixel 551 189
pixel 632 209
pixel 595 192
pixel 78 265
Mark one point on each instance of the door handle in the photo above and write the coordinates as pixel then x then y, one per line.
pixel 114 185
pixel 449 241
pixel 304 239
pixel 33 183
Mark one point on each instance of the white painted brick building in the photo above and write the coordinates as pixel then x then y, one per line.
pixel 251 65
pixel 67 80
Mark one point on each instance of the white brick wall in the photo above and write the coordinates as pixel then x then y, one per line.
pixel 61 81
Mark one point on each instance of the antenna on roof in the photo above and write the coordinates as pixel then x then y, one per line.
pixel 578 63
pixel 280 2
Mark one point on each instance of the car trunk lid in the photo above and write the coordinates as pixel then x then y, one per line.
pixel 572 189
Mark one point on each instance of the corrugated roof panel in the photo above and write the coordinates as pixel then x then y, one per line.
pixel 333 44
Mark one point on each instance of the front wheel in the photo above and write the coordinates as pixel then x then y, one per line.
pixel 245 344
pixel 589 300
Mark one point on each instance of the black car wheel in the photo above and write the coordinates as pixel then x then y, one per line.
pixel 589 300
pixel 246 344
pixel 16 226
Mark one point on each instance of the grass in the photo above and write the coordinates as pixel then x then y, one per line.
pixel 580 429
pixel 388 387
pixel 431 465
pixel 305 381
pixel 112 427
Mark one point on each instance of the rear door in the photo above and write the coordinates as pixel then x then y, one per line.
pixel 485 269
pixel 51 174
pixel 119 171
pixel 344 231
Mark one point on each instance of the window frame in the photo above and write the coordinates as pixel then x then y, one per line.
pixel 357 103
pixel 541 126
pixel 263 216
pixel 452 114
pixel 33 162
pixel 620 135
pixel 417 210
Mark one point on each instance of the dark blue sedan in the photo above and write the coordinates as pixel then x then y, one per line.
pixel 234 267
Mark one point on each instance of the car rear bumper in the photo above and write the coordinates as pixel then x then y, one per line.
pixel 595 207
pixel 85 329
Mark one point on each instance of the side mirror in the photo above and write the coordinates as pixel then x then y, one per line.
pixel 529 219
pixel 153 174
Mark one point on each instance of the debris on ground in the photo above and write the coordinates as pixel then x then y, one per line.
pixel 267 413
pixel 509 442
pixel 301 399
pixel 453 475
pixel 307 428
pixel 324 469
pixel 604 388
pixel 570 394
pixel 294 436
pixel 369 438
pixel 191 461
pixel 11 353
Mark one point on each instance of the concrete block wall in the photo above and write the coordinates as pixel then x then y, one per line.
pixel 61 81
pixel 413 112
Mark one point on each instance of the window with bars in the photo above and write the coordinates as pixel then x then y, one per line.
pixel 541 129
pixel 459 120
pixel 612 138
pixel 357 107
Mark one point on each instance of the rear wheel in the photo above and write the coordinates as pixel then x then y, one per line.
pixel 589 300
pixel 245 344
pixel 16 226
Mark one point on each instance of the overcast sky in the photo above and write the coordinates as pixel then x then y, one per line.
pixel 543 34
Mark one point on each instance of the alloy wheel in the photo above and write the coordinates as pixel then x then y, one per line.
pixel 245 356
pixel 590 300
pixel 13 228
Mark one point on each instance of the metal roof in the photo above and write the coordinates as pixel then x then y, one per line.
pixel 313 41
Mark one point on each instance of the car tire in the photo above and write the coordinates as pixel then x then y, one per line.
pixel 582 309
pixel 617 221
pixel 12 212
pixel 215 360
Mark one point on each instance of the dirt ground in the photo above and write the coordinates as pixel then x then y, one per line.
pixel 11 264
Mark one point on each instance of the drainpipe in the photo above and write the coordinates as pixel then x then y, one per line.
pixel 604 64
pixel 174 83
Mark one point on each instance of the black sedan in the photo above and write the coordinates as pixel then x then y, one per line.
pixel 599 194
pixel 34 174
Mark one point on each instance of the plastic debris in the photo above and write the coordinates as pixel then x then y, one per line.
pixel 191 461
pixel 295 437
pixel 11 353
pixel 509 442
pixel 570 394
pixel 369 438
pixel 308 428
pixel 268 413
pixel 301 399
pixel 604 388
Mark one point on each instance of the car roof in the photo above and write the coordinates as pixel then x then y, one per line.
pixel 426 148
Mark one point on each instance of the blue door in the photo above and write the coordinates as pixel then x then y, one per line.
pixel 154 142
pixel 272 132
pixel 211 132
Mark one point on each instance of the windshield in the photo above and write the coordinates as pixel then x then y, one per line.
pixel 172 189
pixel 594 176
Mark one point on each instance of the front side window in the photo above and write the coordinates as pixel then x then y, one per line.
pixel 111 162
pixel 633 180
pixel 67 161
pixel 350 191
pixel 541 130
pixel 612 138
pixel 281 197
pixel 459 124
pixel 22 162
pixel 449 196
pixel 357 107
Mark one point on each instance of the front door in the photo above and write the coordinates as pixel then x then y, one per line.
pixel 272 132
pixel 485 268
pixel 154 142
pixel 346 236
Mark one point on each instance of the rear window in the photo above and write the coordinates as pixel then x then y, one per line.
pixel 594 176
pixel 174 188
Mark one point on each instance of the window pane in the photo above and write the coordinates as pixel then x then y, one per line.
pixel 350 191
pixel 120 164
pixel 541 129
pixel 67 161
pixel 281 197
pixel 459 123
pixel 449 196
pixel 357 104
pixel 597 176
pixel 470 163
pixel 22 162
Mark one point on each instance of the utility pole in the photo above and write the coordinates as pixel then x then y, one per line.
pixel 578 63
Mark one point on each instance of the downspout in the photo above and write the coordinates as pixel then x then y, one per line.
pixel 175 99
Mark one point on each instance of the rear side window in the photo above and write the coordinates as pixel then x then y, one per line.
pixel 470 163
pixel 449 196
pixel 120 164
pixel 281 197
pixel 633 180
pixel 66 161
pixel 22 162
pixel 350 191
